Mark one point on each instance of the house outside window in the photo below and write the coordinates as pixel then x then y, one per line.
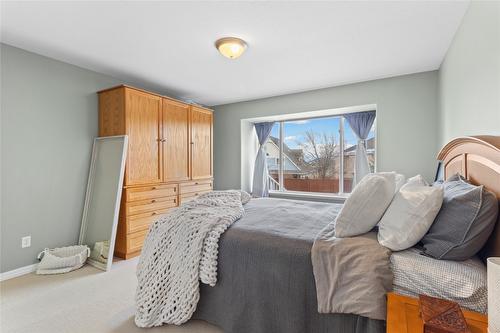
pixel 318 153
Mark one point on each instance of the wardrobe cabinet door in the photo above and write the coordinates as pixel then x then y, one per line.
pixel 143 116
pixel 175 120
pixel 201 143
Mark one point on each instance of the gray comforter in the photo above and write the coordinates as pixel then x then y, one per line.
pixel 353 275
pixel 265 276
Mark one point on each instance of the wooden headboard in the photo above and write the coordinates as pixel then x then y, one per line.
pixel 477 158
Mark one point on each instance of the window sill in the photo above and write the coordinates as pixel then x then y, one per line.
pixel 310 196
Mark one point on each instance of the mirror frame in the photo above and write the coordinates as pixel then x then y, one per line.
pixel 88 195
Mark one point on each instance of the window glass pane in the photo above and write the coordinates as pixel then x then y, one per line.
pixel 311 155
pixel 350 145
pixel 370 148
pixel 273 156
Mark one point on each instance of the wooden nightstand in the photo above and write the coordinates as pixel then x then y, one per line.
pixel 403 316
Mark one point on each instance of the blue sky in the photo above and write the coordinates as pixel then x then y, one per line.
pixel 294 130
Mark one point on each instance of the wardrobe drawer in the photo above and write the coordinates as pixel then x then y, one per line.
pixel 199 186
pixel 190 196
pixel 150 192
pixel 143 221
pixel 145 206
pixel 135 240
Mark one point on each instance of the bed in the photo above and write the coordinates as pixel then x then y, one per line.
pixel 265 276
pixel 268 252
pixel 265 280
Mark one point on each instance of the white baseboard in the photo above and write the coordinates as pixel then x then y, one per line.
pixel 18 272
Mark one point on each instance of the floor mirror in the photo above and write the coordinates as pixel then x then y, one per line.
pixel 102 200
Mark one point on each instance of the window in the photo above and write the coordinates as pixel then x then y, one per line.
pixel 318 155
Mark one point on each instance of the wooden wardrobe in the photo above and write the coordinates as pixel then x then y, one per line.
pixel 169 159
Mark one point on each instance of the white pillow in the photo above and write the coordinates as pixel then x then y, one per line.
pixel 410 214
pixel 417 180
pixel 399 179
pixel 365 206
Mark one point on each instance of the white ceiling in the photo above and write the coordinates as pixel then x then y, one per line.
pixel 293 46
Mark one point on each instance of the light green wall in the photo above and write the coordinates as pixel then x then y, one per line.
pixel 49 119
pixel 469 78
pixel 48 122
pixel 407 123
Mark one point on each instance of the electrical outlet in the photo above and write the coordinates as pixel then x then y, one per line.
pixel 26 241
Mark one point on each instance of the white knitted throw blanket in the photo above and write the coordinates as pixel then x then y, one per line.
pixel 180 250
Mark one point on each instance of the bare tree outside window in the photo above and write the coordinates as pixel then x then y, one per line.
pixel 319 153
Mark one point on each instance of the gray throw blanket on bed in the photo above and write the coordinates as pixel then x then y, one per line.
pixel 180 250
pixel 352 274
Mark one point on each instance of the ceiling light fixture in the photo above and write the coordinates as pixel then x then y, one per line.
pixel 231 47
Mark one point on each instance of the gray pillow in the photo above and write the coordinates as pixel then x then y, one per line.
pixel 464 223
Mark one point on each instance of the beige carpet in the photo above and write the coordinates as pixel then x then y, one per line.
pixel 86 300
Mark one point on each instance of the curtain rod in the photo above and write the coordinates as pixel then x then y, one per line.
pixel 314 117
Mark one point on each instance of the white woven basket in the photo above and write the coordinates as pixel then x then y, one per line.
pixel 62 259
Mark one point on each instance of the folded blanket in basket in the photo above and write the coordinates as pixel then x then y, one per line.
pixel 62 259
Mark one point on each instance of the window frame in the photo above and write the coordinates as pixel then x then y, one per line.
pixel 321 196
